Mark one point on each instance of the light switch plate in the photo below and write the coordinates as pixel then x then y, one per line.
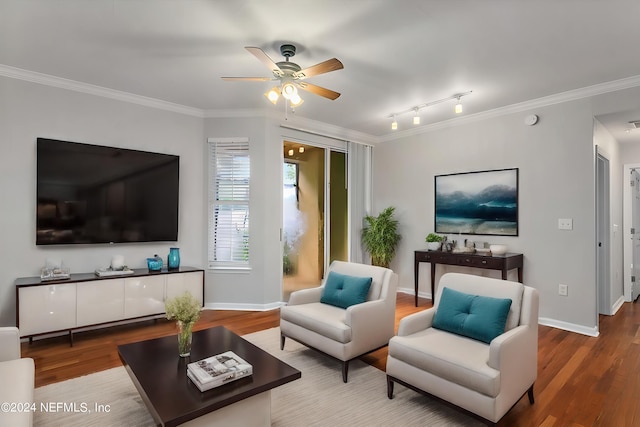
pixel 565 224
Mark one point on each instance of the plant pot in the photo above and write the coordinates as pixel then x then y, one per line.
pixel 433 246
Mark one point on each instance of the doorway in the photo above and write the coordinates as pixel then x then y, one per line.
pixel 603 276
pixel 315 214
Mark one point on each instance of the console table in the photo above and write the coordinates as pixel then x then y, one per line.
pixel 503 263
pixel 86 300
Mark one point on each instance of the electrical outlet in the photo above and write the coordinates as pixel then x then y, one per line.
pixel 563 290
pixel 565 224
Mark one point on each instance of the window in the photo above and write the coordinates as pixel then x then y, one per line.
pixel 229 176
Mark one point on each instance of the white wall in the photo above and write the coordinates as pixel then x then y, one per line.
pixel 556 172
pixel 29 111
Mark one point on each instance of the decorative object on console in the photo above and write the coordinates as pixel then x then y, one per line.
pixel 380 237
pixel 117 262
pixel 155 263
pixel 185 309
pixel 483 202
pixel 173 259
pixel 498 249
pixel 434 241
pixel 55 270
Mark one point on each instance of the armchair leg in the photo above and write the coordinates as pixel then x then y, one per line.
pixel 390 384
pixel 530 394
pixel 282 342
pixel 345 370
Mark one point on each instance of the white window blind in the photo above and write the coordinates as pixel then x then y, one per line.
pixel 229 177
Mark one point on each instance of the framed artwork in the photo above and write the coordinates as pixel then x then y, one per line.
pixel 483 203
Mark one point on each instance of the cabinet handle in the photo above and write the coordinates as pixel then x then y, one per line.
pixel 484 261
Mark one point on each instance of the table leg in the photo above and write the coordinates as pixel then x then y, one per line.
pixel 433 282
pixel 416 268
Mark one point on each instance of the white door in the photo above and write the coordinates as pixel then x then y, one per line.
pixel 635 235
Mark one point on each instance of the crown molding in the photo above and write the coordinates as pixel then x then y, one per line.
pixel 62 83
pixel 571 95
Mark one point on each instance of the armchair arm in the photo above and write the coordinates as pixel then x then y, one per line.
pixel 515 355
pixel 372 324
pixel 305 296
pixel 416 322
pixel 9 343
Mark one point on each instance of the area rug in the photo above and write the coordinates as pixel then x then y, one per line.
pixel 319 398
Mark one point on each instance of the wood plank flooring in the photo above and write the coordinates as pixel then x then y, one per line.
pixel 582 381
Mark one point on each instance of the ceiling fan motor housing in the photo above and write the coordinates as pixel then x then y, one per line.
pixel 288 50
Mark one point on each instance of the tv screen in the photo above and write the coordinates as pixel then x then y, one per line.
pixel 96 194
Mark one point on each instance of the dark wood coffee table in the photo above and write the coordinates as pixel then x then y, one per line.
pixel 160 376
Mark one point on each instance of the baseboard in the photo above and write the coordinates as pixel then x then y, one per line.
pixel 571 327
pixel 243 307
pixel 617 305
pixel 410 291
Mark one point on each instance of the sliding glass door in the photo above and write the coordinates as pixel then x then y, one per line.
pixel 314 229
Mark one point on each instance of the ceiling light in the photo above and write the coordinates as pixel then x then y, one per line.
pixel 295 99
pixel 291 152
pixel 416 109
pixel 273 95
pixel 289 91
pixel 301 150
pixel 458 108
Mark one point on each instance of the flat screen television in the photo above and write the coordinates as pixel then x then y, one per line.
pixel 95 194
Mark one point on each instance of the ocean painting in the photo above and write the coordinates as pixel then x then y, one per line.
pixel 484 202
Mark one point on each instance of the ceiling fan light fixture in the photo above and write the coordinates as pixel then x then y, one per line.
pixel 289 91
pixel 273 95
pixel 394 124
pixel 295 100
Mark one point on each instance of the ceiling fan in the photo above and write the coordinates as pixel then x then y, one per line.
pixel 291 75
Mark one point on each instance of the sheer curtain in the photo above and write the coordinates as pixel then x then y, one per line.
pixel 359 184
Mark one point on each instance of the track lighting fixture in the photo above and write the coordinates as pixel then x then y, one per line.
pixel 458 108
pixel 417 108
pixel 416 117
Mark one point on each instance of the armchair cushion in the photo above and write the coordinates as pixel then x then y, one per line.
pixel 478 317
pixel 343 291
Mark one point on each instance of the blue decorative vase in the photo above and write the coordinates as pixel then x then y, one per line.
pixel 155 263
pixel 173 259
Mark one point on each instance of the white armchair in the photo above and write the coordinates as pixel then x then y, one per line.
pixel 18 378
pixel 486 379
pixel 344 334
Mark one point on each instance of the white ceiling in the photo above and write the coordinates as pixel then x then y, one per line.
pixel 395 54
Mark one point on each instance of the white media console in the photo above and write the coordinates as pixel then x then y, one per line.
pixel 86 300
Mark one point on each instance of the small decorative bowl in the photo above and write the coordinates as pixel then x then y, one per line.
pixel 154 264
pixel 498 249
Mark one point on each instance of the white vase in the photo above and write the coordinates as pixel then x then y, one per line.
pixel 433 246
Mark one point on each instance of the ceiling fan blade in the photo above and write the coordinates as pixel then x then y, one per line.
pixel 264 58
pixel 318 90
pixel 254 79
pixel 324 67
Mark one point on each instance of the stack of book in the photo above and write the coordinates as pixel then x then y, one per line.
pixel 217 370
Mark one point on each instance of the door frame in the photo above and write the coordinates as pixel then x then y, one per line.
pixel 603 230
pixel 627 247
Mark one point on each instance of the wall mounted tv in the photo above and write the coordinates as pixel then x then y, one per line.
pixel 94 194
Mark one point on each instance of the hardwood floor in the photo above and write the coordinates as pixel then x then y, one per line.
pixel 582 381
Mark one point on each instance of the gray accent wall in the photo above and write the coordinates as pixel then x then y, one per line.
pixel 556 173
pixel 30 110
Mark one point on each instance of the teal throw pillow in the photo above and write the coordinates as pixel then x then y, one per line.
pixel 343 291
pixel 473 316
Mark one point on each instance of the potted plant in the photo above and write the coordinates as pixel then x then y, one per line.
pixel 185 309
pixel 434 241
pixel 380 238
